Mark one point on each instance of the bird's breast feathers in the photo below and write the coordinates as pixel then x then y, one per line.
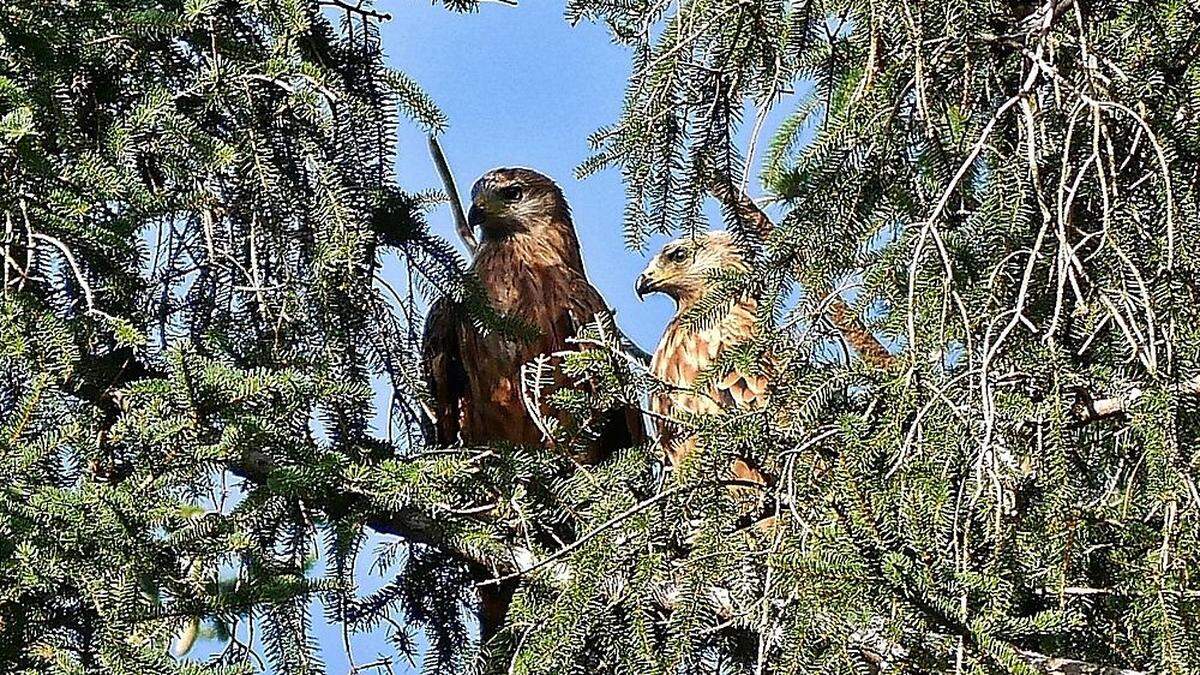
pixel 686 351
pixel 524 277
pixel 526 280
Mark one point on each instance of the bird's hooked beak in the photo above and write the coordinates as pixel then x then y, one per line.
pixel 486 214
pixel 476 216
pixel 645 285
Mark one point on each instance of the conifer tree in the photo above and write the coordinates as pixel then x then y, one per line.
pixel 198 198
pixel 1009 191
pixel 195 196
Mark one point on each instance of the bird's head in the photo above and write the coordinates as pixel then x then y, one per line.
pixel 682 270
pixel 511 200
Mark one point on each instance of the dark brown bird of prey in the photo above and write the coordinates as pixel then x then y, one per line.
pixel 683 271
pixel 530 265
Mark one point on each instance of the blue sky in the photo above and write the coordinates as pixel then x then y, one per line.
pixel 520 87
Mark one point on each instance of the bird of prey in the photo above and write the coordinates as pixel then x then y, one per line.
pixel 683 270
pixel 530 266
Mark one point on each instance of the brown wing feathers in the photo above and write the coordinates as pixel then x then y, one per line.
pixel 445 377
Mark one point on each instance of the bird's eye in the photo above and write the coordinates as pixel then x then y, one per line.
pixel 678 255
pixel 511 193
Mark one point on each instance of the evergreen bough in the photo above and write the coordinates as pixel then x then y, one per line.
pixel 198 201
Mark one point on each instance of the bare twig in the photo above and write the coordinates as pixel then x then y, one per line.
pixel 89 297
pixel 534 378
pixel 1087 590
pixel 465 231
pixel 290 88
pixel 357 9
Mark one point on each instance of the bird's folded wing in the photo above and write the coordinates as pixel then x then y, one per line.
pixel 623 428
pixel 739 388
pixel 444 371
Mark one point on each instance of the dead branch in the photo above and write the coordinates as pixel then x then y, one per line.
pixel 465 231
pixel 1053 665
pixel 357 9
pixel 869 348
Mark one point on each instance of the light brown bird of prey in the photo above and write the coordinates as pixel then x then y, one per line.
pixel 530 265
pixel 683 271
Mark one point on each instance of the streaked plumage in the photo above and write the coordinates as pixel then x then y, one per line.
pixel 682 271
pixel 530 266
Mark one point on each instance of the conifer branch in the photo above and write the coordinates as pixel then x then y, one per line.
pixel 89 297
pixel 100 377
pixel 1086 410
pixel 947 517
pixel 1053 665
pixel 869 348
pixel 591 534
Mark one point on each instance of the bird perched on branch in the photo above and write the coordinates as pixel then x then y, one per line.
pixel 683 271
pixel 529 264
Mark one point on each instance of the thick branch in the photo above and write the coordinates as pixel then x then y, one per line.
pixel 1053 665
pixel 743 208
pixel 1089 409
pixel 869 348
pixel 410 524
pixel 879 662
